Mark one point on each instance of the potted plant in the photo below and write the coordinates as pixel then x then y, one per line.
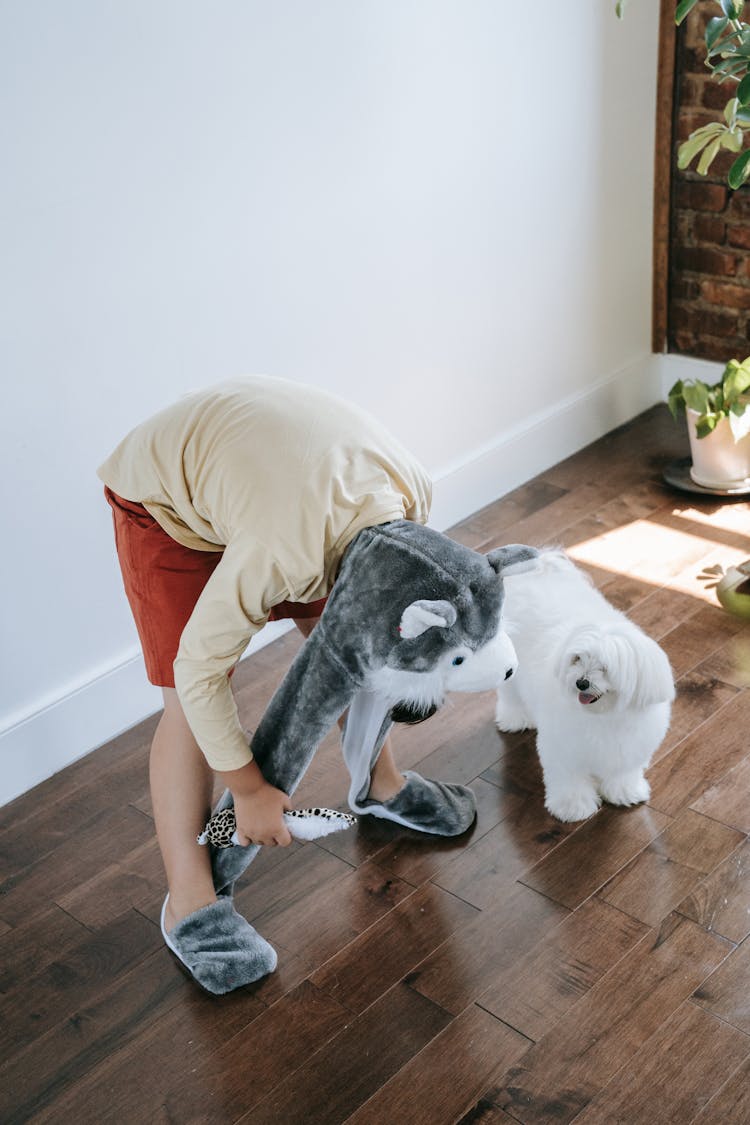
pixel 718 426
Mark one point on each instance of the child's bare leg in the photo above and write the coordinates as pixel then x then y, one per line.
pixel 386 779
pixel 181 790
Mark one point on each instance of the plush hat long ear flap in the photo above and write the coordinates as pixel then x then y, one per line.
pixel 315 692
pixel 515 558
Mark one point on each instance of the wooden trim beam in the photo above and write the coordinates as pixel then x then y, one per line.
pixel 663 174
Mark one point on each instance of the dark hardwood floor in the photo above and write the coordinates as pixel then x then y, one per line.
pixel 531 971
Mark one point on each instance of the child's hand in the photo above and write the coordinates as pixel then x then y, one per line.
pixel 258 807
pixel 260 817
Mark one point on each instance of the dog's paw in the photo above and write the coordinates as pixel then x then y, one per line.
pixel 575 804
pixel 631 789
pixel 509 718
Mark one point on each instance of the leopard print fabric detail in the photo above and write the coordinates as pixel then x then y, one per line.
pixel 221 827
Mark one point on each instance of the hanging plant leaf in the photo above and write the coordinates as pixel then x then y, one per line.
pixel 708 154
pixel 683 8
pixel 715 28
pixel 732 9
pixel 693 145
pixel 739 171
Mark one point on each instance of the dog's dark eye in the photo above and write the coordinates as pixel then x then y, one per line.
pixel 459 660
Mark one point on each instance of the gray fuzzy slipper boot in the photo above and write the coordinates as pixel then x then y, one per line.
pixel 426 806
pixel 219 949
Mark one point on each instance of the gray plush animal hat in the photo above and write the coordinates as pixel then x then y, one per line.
pixel 412 615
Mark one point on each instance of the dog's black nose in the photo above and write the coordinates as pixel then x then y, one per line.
pixel 509 673
pixel 583 684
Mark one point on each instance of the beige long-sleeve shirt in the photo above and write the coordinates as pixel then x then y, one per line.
pixel 278 476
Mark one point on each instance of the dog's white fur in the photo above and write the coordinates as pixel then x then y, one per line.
pixel 564 631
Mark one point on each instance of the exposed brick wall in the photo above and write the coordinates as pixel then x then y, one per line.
pixel 709 283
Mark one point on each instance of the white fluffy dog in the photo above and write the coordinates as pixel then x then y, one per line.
pixel 595 687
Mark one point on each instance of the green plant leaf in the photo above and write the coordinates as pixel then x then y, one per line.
pixel 739 171
pixel 732 9
pixel 727 39
pixel 732 140
pixel 676 400
pixel 707 156
pixel 730 111
pixel 683 8
pixel 695 394
pixel 736 381
pixel 706 424
pixel 730 67
pixel 743 91
pixel 715 28
pixel 691 147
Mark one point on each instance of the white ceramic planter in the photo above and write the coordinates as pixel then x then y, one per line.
pixel 718 460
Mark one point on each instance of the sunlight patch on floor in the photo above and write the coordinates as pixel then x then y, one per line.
pixel 667 555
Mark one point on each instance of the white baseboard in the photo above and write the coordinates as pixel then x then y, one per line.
pixel 542 440
pixel 46 740
pixel 57 733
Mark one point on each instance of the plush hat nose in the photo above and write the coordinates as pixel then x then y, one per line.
pixel 509 673
pixel 583 684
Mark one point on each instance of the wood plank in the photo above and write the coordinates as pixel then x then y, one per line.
pixel 133 1079
pixel 392 947
pixel 702 759
pixel 690 643
pixel 485 873
pixel 316 927
pixel 28 948
pixel 516 505
pixel 290 875
pixel 652 549
pixel 731 662
pixel 663 610
pixel 657 1086
pixel 445 1078
pixel 34 1077
pixel 136 879
pixel 729 799
pixel 662 875
pixel 335 1080
pixel 29 891
pixel 536 991
pixel 731 1104
pixel 726 993
pixel 234 1077
pixel 473 958
pixel 590 857
pixel 76 978
pixel 698 698
pixel 565 1070
pixel 483 1113
pixel 417 857
pixel 721 903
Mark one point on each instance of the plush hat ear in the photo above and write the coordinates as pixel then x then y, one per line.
pixel 423 615
pixel 515 558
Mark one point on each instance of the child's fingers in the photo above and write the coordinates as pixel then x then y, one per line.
pixel 283 837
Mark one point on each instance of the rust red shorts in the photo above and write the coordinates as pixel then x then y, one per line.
pixel 163 581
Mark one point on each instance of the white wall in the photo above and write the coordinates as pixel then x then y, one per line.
pixel 438 208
